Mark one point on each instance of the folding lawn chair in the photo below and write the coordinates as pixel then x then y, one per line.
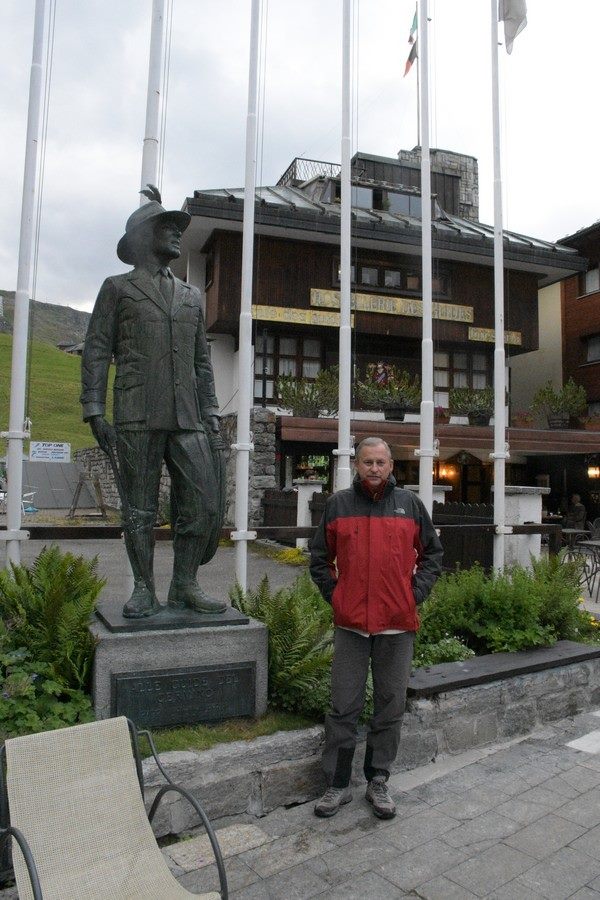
pixel 75 800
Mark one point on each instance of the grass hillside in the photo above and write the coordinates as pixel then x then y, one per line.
pixel 49 322
pixel 54 389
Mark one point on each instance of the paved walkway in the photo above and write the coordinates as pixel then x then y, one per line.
pixel 519 821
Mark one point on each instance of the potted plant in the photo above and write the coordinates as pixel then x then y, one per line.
pixel 386 387
pixel 310 398
pixel 591 423
pixel 560 404
pixel 442 415
pixel 475 403
pixel 522 418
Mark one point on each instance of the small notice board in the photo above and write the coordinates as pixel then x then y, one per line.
pixel 50 451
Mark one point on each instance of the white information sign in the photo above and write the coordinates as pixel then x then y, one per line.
pixel 50 451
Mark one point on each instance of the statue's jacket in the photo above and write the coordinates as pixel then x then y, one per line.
pixel 163 377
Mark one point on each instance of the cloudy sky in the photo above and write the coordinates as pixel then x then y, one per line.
pixel 97 106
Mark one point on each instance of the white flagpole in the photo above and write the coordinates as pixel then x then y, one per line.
pixel 500 454
pixel 244 445
pixel 151 135
pixel 17 427
pixel 427 449
pixel 344 450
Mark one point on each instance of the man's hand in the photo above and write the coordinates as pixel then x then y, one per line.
pixel 103 431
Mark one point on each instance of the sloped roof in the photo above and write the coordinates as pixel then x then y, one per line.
pixel 302 213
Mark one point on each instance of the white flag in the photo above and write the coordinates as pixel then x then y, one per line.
pixel 514 15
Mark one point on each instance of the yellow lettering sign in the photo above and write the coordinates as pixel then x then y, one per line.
pixel 392 306
pixel 297 316
pixel 488 335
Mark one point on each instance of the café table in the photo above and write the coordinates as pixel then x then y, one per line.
pixel 571 536
pixel 591 548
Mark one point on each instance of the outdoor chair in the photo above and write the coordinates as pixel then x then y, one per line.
pixel 27 504
pixel 75 803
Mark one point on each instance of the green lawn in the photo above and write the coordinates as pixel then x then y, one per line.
pixel 203 737
pixel 52 398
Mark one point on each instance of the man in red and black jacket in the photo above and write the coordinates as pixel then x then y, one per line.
pixel 375 558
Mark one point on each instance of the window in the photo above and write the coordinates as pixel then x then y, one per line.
pixel 590 281
pixel 458 369
pixel 383 277
pixel 362 197
pixel 593 348
pixel 276 355
pixel 392 278
pixel 403 204
pixel 369 275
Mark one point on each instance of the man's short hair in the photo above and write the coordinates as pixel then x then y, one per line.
pixel 372 442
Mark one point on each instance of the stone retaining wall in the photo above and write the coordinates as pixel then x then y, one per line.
pixel 283 769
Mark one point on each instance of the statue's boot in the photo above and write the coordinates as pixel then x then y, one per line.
pixel 142 603
pixel 184 591
pixel 189 595
pixel 139 541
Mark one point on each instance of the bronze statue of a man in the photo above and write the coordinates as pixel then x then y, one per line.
pixel 165 407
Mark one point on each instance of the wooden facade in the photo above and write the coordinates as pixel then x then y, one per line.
pixel 296 280
pixel 286 271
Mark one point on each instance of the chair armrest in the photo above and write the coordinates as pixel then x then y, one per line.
pixel 19 837
pixel 171 787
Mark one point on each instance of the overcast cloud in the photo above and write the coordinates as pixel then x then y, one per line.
pixel 98 101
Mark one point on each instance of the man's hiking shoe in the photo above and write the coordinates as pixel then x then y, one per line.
pixel 379 796
pixel 331 801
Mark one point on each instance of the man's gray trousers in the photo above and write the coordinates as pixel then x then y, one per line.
pixel 390 657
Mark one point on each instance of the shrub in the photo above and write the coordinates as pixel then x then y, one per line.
pixel 570 398
pixel 464 401
pixel 397 389
pixel 514 610
pixel 449 649
pixel 31 699
pixel 300 642
pixel 558 583
pixel 309 398
pixel 47 610
pixel 292 556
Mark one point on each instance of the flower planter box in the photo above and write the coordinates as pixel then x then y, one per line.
pixel 479 419
pixel 559 420
pixel 394 414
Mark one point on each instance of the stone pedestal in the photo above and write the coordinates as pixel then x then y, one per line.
pixel 203 670
pixel 523 505
pixel 305 487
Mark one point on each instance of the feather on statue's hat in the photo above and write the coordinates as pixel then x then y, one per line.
pixel 144 214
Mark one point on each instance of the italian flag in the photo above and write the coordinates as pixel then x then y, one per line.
pixel 411 58
pixel 413 29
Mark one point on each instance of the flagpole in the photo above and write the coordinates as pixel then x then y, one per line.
pixel 419 142
pixel 17 426
pixel 427 450
pixel 244 445
pixel 344 451
pixel 501 450
pixel 151 136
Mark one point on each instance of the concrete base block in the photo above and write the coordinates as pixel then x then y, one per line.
pixel 170 674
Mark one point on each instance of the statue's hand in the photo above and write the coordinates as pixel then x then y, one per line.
pixel 103 431
pixel 214 424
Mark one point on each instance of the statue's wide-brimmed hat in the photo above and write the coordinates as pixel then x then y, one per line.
pixel 148 213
